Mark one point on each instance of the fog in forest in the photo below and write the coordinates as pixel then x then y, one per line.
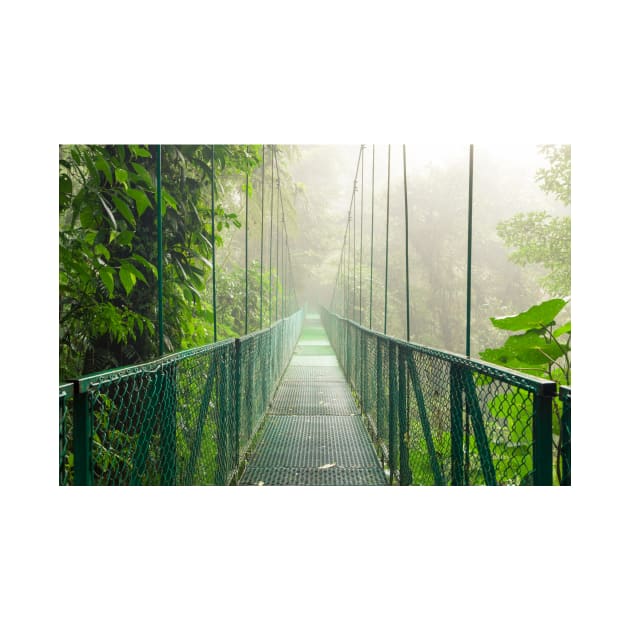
pixel 437 190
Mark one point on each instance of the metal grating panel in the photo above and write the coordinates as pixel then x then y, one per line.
pixel 317 450
pixel 306 374
pixel 313 477
pixel 310 399
pixel 318 361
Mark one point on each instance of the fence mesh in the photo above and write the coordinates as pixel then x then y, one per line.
pixel 186 419
pixel 441 419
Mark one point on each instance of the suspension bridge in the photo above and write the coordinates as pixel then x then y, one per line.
pixel 313 396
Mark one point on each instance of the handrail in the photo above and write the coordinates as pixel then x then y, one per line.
pixel 185 418
pixel 438 417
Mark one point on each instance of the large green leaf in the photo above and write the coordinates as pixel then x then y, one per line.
pixel 141 199
pixel 127 278
pixel 537 316
pixel 532 348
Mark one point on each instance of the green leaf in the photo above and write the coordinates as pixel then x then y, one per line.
pixel 143 173
pixel 125 238
pixel 107 276
pixel 125 210
pixel 562 330
pixel 141 199
pixel 537 316
pixel 122 176
pixel 135 273
pixel 146 263
pixel 101 250
pixel 138 151
pixel 127 278
pixel 102 165
pixel 170 200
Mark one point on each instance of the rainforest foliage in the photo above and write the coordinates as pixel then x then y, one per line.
pixel 108 249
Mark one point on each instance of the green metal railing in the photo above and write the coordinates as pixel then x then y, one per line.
pixel 186 419
pixel 441 419
pixel 565 437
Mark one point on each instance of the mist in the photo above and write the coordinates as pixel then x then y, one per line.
pixel 437 186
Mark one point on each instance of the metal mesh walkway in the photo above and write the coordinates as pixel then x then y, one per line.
pixel 313 434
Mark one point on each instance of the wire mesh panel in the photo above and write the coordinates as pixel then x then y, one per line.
pixel 65 434
pixel 440 418
pixel 185 419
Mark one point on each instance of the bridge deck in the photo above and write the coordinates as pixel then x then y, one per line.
pixel 313 434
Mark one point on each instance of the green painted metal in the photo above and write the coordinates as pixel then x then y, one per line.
pixel 389 147
pixel 422 436
pixel 214 260
pixel 403 420
pixel 543 440
pixel 83 424
pixel 372 236
pixel 456 426
pixel 160 253
pixel 246 249
pixel 273 151
pixel 565 436
pixel 185 419
pixel 424 421
pixel 469 256
pixel 262 234
pixel 392 416
pixel 361 245
pixel 406 241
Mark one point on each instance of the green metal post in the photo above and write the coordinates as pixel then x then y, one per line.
pixel 82 437
pixel 457 446
pixel 468 300
pixel 542 434
pixel 214 266
pixel 393 410
pixel 380 396
pixel 223 425
pixel 160 254
pixel 236 419
pixel 168 426
pixel 403 420
pixel 565 436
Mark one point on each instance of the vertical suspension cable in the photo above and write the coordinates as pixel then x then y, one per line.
pixel 361 247
pixel 278 241
pixel 262 234
pixel 389 147
pixel 160 253
pixel 372 237
pixel 246 244
pixel 406 235
pixel 354 251
pixel 214 266
pixel 271 235
pixel 469 258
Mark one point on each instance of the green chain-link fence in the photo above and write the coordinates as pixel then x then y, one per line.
pixel 185 419
pixel 439 418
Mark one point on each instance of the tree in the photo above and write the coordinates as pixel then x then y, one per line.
pixel 540 238
pixel 108 251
